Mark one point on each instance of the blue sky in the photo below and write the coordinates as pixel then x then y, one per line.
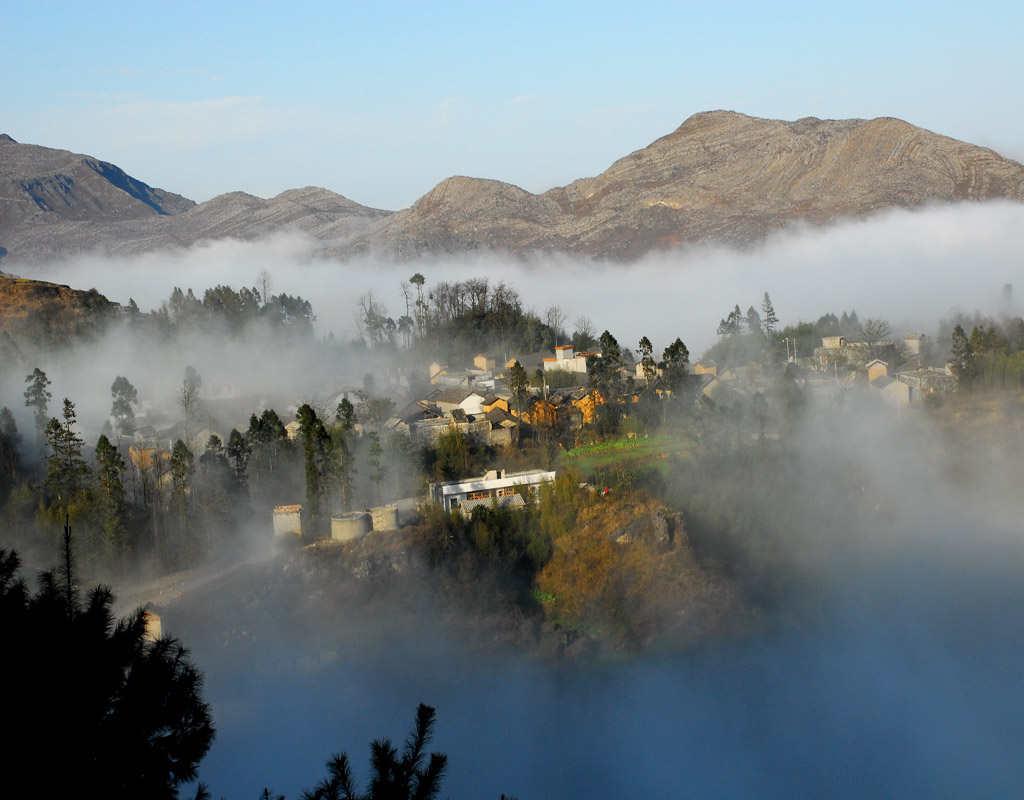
pixel 380 102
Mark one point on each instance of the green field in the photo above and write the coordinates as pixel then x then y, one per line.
pixel 591 457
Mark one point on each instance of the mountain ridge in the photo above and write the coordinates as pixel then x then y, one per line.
pixel 721 176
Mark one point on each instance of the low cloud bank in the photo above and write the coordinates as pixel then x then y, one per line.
pixel 907 266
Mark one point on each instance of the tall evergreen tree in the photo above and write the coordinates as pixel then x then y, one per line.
pixel 769 320
pixel 647 363
pixel 963 358
pixel 38 399
pixel 185 545
pixel 110 469
pixel 67 473
pixel 518 384
pixel 316 447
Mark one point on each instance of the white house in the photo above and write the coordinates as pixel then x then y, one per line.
pixel 495 484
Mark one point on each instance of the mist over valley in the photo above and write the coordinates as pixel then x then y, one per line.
pixel 781 553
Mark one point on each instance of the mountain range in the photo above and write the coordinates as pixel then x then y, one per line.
pixel 720 177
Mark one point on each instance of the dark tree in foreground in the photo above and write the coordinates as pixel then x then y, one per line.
pixel 102 709
pixel 410 777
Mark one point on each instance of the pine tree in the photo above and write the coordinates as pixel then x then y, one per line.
pixel 122 716
pixel 38 399
pixel 110 469
pixel 768 318
pixel 963 358
pixel 411 776
pixel 316 446
pixel 66 471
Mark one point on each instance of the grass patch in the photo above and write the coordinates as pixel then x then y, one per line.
pixel 591 457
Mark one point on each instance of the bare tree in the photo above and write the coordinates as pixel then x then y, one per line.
pixel 371 319
pixel 265 284
pixel 554 318
pixel 584 335
pixel 875 334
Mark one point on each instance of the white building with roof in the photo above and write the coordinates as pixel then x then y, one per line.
pixel 495 486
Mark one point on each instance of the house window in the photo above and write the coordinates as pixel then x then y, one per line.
pixel 477 495
pixel 506 491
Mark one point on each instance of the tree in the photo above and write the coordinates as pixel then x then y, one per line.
pixel 410 777
pixel 110 468
pixel 518 384
pixel 375 411
pixel 876 336
pixel 378 469
pixel 66 470
pixel 554 318
pixel 646 350
pixel 963 358
pixel 345 415
pixel 372 320
pixel 238 453
pixel 38 398
pixel 753 321
pixel 604 369
pixel 675 365
pixel 217 487
pixel 268 441
pixel 185 546
pixel 188 399
pixel 127 712
pixel 125 396
pixel 732 325
pixel 583 337
pixel 418 281
pixel 10 440
pixel 316 446
pixel 265 283
pixel 769 320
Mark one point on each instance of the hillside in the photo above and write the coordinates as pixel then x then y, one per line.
pixel 25 305
pixel 720 177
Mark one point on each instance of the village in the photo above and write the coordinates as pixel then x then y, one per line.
pixel 505 401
